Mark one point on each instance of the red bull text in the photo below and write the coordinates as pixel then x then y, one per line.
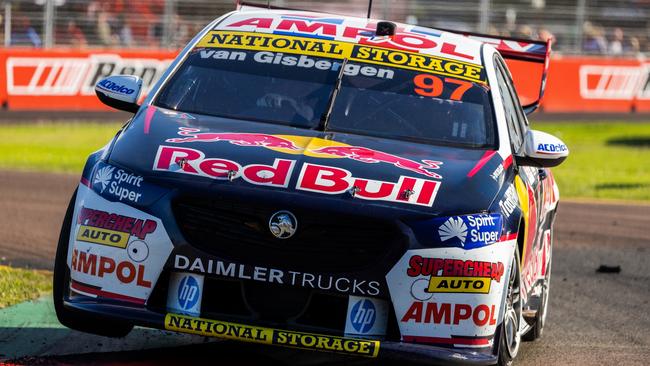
pixel 312 177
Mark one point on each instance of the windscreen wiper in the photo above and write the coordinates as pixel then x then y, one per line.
pixel 325 117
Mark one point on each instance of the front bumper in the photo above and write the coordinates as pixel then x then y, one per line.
pixel 390 350
pixel 145 280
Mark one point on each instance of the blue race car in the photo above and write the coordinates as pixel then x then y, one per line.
pixel 321 182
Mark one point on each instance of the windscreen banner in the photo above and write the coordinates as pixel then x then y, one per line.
pixel 64 79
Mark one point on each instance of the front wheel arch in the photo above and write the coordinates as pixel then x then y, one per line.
pixel 72 318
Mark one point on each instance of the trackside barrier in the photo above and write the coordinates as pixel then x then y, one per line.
pixel 585 84
pixel 63 79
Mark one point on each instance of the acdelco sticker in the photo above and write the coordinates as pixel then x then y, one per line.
pixel 269 336
pixel 444 295
pixel 115 251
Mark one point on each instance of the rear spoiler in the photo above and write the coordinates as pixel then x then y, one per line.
pixel 525 53
pixel 522 56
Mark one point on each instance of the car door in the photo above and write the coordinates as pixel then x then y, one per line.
pixel 529 182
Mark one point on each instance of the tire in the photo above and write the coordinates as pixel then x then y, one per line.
pixel 509 337
pixel 72 318
pixel 540 318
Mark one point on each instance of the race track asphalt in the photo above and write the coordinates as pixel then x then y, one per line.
pixel 595 318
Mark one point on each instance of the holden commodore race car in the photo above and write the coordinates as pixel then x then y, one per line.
pixel 321 182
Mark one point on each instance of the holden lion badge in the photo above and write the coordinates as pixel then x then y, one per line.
pixel 283 224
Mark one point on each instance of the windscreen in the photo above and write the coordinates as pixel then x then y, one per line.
pixel 375 98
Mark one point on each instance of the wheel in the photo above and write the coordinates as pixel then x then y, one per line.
pixel 540 319
pixel 510 338
pixel 72 318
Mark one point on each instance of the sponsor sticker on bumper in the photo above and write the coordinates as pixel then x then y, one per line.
pixel 366 316
pixel 111 238
pixel 269 336
pixel 185 293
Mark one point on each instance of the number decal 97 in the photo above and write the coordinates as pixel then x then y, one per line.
pixel 428 85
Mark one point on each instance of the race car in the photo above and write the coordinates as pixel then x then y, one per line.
pixel 321 182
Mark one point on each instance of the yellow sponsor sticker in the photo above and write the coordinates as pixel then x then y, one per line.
pixel 276 43
pixel 417 62
pixel 340 50
pixel 269 336
pixel 472 285
pixel 96 235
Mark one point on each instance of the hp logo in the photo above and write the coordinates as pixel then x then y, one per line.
pixel 188 293
pixel 363 315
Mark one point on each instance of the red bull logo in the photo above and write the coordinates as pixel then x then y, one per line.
pixel 312 177
pixel 239 139
pixel 370 156
pixel 357 153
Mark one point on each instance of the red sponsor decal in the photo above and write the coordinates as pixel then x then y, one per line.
pixel 446 313
pixel 91 290
pixel 240 139
pixel 536 267
pixel 100 266
pixel 428 85
pixel 508 237
pixel 366 155
pixel 507 162
pixel 106 220
pixel 358 153
pixel 194 162
pixel 402 39
pixel 332 180
pixel 468 341
pixel 314 178
pixel 482 161
pixel 421 266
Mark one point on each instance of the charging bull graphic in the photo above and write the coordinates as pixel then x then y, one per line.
pixel 240 139
pixel 371 156
pixel 357 153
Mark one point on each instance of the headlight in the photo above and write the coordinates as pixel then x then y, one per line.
pixel 466 231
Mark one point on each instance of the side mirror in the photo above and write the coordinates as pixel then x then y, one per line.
pixel 120 92
pixel 542 150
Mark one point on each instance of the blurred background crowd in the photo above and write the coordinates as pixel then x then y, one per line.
pixel 602 27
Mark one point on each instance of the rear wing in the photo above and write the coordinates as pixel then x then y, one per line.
pixel 527 60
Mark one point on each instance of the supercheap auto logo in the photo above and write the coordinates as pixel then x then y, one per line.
pixel 246 333
pixel 101 227
pixel 113 230
pixel 343 50
pixel 453 275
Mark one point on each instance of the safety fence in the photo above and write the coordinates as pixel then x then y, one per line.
pixel 63 79
pixel 611 27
